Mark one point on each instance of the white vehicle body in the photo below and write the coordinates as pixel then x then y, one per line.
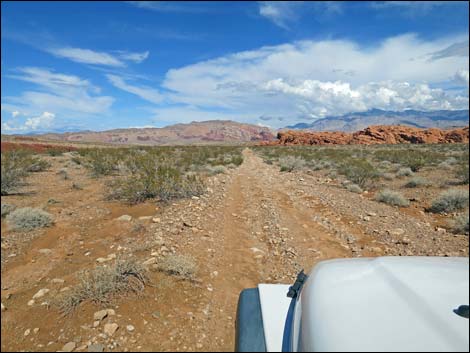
pixel 381 304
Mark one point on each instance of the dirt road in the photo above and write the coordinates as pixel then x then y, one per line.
pixel 254 224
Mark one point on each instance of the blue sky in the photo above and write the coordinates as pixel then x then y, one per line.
pixel 103 65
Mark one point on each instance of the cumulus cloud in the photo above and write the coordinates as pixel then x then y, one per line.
pixel 65 95
pixel 461 76
pixel 144 92
pixel 311 79
pixel 456 49
pixel 15 113
pixel 42 121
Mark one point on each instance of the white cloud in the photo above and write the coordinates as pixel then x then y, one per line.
pixel 310 79
pixel 462 77
pixel 279 12
pixel 66 95
pixel 42 121
pixel 15 113
pixel 87 56
pixel 135 57
pixel 144 92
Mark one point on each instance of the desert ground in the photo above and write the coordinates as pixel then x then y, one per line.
pixel 242 216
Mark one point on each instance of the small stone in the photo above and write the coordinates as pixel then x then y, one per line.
pixel 100 315
pixel 95 348
pixel 130 328
pixel 57 280
pixel 150 261
pixel 156 220
pixel 27 332
pixel 65 289
pixel 372 214
pixel 125 218
pixel 45 251
pixel 69 347
pixel 3 307
pixel 41 293
pixel 31 302
pixel 195 198
pixel 110 329
pixel 111 312
pixel 96 323
pixel 101 260
pixel 36 330
pixel 111 256
pixel 397 231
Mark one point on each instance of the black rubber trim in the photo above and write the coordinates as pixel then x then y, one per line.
pixel 249 331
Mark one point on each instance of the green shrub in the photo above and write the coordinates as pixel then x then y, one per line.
pixel 102 284
pixel 392 198
pixel 450 201
pixel 183 266
pixel 218 169
pixel 291 163
pixel 460 223
pixel 415 182
pixel 28 218
pixel 359 171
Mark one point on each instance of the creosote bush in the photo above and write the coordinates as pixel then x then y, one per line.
pixel 392 198
pixel 359 171
pixel 183 266
pixel 101 284
pixel 28 218
pixel 450 201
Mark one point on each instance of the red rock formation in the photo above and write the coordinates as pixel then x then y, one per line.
pixel 374 135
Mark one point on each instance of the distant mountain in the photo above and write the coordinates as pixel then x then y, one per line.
pixel 414 118
pixel 214 131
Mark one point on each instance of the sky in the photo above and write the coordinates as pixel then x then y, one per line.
pixel 69 66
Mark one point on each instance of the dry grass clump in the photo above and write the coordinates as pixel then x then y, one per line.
pixel 460 224
pixel 7 209
pixel 450 201
pixel 28 218
pixel 102 284
pixel 354 188
pixel 404 172
pixel 291 163
pixel 415 182
pixel 392 198
pixel 183 266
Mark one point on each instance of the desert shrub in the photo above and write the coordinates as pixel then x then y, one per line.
pixel 354 188
pixel 7 209
pixel 392 198
pixel 37 164
pixel 54 152
pixel 147 180
pixel 183 266
pixel 388 176
pixel 218 169
pixel 404 172
pixel 460 224
pixel 76 160
pixel 77 186
pixel 359 171
pixel 63 173
pixel 101 161
pixel 462 173
pixel 291 163
pixel 449 201
pixel 415 182
pixel 102 284
pixel 28 218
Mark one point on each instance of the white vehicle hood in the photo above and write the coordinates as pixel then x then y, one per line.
pixel 385 304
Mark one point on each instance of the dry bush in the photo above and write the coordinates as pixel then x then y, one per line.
pixel 450 201
pixel 183 266
pixel 214 170
pixel 415 182
pixel 28 218
pixel 7 209
pixel 102 284
pixel 460 224
pixel 359 171
pixel 392 198
pixel 291 163
pixel 462 173
pixel 354 188
pixel 404 172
